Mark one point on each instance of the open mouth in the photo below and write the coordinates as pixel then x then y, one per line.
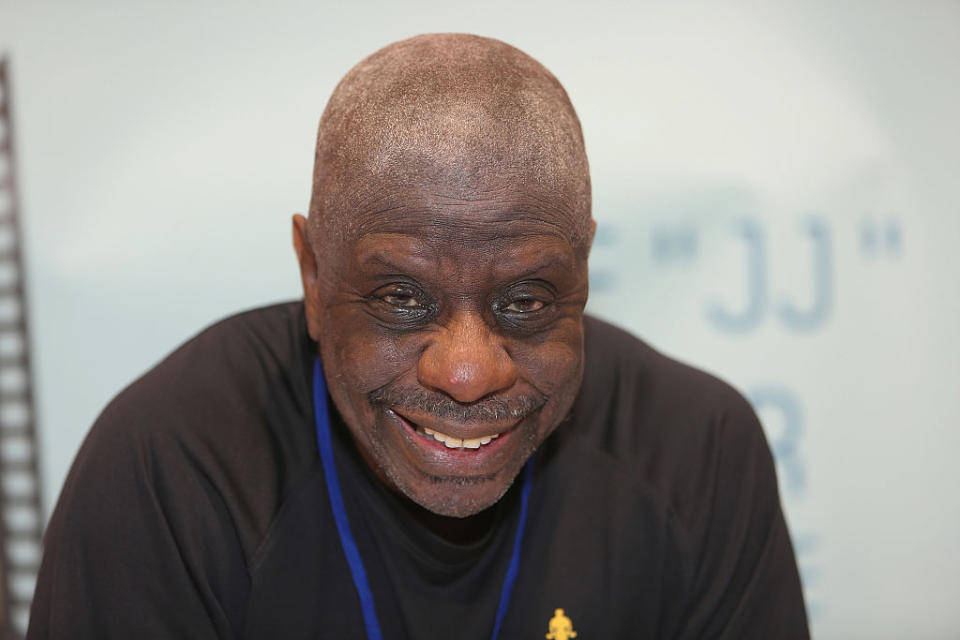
pixel 436 437
pixel 453 442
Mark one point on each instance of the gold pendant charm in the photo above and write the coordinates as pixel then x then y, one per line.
pixel 561 627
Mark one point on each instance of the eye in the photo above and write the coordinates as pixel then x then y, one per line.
pixel 401 295
pixel 402 300
pixel 401 305
pixel 524 305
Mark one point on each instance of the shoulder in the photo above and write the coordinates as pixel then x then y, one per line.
pixel 693 450
pixel 613 353
pixel 634 382
pixel 177 484
pixel 229 410
pixel 678 429
pixel 208 387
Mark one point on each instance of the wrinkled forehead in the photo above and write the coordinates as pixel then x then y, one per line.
pixel 501 258
pixel 460 211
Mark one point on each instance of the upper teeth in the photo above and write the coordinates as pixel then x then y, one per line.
pixel 452 442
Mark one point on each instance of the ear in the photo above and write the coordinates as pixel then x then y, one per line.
pixel 308 275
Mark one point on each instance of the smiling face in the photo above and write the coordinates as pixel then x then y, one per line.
pixel 452 346
pixel 445 265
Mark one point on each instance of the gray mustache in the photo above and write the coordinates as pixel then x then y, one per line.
pixel 488 410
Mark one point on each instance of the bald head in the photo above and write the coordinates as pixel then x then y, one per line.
pixel 460 115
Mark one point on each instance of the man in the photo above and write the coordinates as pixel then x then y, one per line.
pixel 435 443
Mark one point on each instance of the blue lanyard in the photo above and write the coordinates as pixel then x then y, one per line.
pixel 347 541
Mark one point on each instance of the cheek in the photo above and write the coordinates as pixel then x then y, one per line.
pixel 553 365
pixel 364 357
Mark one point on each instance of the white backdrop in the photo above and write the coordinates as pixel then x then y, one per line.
pixel 776 191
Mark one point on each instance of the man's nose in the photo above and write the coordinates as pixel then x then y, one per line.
pixel 466 361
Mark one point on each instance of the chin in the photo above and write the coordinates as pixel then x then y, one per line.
pixel 456 496
pixel 461 497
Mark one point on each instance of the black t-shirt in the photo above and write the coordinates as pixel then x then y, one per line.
pixel 197 508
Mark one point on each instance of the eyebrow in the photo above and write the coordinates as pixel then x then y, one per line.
pixel 400 253
pixel 382 260
pixel 551 260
